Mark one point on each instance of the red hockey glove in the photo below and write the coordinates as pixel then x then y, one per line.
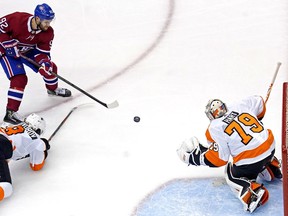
pixel 11 48
pixel 46 67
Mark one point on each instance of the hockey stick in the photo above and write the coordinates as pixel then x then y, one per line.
pixel 109 106
pixel 273 80
pixel 61 124
pixel 66 117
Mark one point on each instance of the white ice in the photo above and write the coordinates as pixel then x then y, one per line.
pixel 161 60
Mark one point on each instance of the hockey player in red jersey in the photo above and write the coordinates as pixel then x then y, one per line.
pixel 32 36
pixel 238 140
pixel 20 141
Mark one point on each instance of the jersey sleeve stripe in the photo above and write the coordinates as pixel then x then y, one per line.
pixel 208 136
pixel 213 158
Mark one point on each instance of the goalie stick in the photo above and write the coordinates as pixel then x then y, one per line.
pixel 272 82
pixel 109 106
pixel 60 125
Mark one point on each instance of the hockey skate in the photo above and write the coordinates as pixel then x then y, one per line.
pixel 62 92
pixel 255 196
pixel 12 117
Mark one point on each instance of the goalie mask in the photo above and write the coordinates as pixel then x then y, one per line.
pixel 215 109
pixel 36 122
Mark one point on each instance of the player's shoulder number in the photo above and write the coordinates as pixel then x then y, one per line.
pixel 3 23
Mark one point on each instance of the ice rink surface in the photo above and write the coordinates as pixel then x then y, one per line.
pixel 161 60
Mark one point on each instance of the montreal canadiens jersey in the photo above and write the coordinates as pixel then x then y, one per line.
pixel 18 26
pixel 26 141
pixel 240 134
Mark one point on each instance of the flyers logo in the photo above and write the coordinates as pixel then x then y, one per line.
pixel 14 130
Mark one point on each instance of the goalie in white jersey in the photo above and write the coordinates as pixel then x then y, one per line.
pixel 239 141
pixel 17 142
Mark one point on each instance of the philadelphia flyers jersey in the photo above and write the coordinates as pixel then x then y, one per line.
pixel 26 141
pixel 240 134
pixel 18 26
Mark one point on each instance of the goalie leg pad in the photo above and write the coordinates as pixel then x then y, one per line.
pixel 249 192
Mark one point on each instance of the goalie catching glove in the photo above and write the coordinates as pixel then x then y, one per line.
pixel 190 152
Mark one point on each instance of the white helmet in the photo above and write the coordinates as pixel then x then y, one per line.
pixel 36 122
pixel 215 108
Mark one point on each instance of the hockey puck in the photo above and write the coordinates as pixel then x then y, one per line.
pixel 136 119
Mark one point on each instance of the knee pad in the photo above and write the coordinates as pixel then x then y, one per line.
pixel 19 81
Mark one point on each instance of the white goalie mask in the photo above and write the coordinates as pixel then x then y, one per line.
pixel 36 122
pixel 215 108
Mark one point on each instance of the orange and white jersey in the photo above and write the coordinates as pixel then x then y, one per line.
pixel 26 141
pixel 240 134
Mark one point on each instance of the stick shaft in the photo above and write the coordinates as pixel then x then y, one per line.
pixel 272 82
pixel 61 124
pixel 112 105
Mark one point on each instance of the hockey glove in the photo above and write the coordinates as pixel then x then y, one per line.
pixel 11 48
pixel 46 67
pixel 190 151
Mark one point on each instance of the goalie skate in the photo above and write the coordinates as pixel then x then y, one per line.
pixel 258 198
pixel 62 92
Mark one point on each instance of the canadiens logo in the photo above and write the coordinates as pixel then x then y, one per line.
pixel 30 37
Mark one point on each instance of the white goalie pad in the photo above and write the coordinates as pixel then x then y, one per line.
pixel 186 148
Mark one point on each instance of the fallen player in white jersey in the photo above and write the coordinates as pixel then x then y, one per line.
pixel 17 142
pixel 239 141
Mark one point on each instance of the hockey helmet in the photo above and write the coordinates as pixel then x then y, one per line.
pixel 44 12
pixel 215 108
pixel 36 122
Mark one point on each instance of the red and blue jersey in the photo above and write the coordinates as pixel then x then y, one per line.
pixel 18 26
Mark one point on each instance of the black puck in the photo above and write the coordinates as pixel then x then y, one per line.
pixel 136 119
